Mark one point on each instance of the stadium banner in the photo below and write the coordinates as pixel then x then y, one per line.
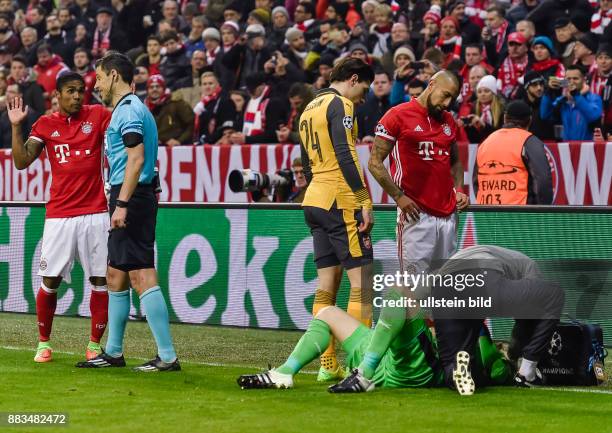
pixel 582 172
pixel 253 266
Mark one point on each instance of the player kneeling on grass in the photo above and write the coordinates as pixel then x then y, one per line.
pixel 76 221
pixel 399 353
pixel 515 288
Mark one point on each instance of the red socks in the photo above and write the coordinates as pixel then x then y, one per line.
pixel 98 306
pixel 46 301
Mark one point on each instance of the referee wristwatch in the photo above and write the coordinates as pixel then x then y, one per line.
pixel 122 204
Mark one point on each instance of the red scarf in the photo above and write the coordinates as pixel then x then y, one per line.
pixel 383 29
pixel 486 115
pixel 213 96
pixel 303 26
pixel 600 20
pixel 509 73
pixel 546 64
pixel 151 105
pixel 100 47
pixel 598 83
pixel 211 55
pixel 456 40
pixel 501 36
pixel 200 108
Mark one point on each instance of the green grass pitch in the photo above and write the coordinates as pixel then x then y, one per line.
pixel 204 397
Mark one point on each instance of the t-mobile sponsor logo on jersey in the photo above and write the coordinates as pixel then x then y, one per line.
pixel 61 152
pixel 426 149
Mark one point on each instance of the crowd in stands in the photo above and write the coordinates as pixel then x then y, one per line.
pixel 234 72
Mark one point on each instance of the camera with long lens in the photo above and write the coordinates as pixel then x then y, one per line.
pixel 251 181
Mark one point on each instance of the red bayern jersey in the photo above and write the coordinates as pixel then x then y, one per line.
pixel 420 161
pixel 74 146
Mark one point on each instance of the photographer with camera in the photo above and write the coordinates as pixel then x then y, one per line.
pixel 284 186
pixel 571 101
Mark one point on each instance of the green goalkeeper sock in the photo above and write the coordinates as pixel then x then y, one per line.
pixel 488 352
pixel 314 341
pixel 389 325
pixel 493 361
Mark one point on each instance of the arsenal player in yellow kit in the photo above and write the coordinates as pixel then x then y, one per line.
pixel 337 205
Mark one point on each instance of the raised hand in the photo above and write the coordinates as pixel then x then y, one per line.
pixel 17 111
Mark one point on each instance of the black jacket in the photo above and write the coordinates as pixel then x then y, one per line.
pixel 6 131
pixel 217 116
pixel 175 66
pixel 369 113
pixel 470 32
pixel 33 97
pixel 276 38
pixel 276 115
pixel 30 54
pixel 543 129
pixel 63 47
pixel 547 12
pixel 242 61
pixel 519 12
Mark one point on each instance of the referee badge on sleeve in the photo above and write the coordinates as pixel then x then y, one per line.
pixel 347 121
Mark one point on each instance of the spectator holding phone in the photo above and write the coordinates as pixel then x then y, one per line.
pixel 531 93
pixel 577 107
pixel 487 112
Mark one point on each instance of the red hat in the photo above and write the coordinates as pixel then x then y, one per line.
pixel 517 37
pixel 453 20
pixel 158 79
pixel 433 15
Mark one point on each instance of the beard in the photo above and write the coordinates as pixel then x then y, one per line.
pixel 107 99
pixel 434 110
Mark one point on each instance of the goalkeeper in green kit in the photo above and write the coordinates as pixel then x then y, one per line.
pixel 399 353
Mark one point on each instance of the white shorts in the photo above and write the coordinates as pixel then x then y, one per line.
pixel 84 237
pixel 429 238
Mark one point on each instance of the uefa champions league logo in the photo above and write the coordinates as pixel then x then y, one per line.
pixel 556 344
pixel 347 121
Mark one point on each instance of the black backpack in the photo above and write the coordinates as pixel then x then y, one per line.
pixel 575 356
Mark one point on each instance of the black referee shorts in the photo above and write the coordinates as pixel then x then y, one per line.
pixel 131 248
pixel 337 239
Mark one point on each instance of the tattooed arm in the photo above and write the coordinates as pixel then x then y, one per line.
pixel 380 151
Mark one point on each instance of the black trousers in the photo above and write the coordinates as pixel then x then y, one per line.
pixel 535 304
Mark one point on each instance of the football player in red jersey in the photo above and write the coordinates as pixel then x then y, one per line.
pixel 425 173
pixel 77 219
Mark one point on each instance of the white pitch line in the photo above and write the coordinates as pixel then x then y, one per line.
pixel 207 364
pixel 220 364
pixel 583 390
